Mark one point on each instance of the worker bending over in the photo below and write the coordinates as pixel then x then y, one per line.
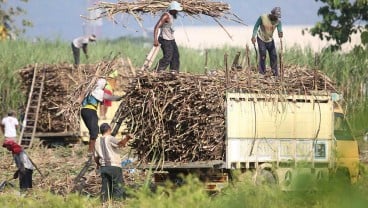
pixel 89 110
pixel 107 158
pixel 263 29
pixel 23 163
pixel 81 42
pixel 166 38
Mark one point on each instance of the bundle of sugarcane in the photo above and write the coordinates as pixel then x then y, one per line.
pixel 82 87
pixel 215 10
pixel 193 8
pixel 56 87
pixel 64 89
pixel 181 117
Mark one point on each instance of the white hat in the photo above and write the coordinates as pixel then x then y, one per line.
pixel 174 5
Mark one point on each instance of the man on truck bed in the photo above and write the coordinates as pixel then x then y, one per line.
pixel 107 158
pixel 263 29
pixel 81 42
pixel 167 39
pixel 89 110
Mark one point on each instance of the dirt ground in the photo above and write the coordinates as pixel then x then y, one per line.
pixel 60 166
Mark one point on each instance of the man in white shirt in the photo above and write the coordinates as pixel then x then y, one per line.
pixel 107 158
pixel 81 42
pixel 9 126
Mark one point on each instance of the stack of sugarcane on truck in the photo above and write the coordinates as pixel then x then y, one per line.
pixel 271 143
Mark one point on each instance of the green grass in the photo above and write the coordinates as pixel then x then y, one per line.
pixel 246 194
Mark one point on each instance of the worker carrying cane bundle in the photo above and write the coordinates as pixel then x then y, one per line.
pixel 164 35
pixel 89 110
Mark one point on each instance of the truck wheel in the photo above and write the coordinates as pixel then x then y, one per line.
pixel 265 177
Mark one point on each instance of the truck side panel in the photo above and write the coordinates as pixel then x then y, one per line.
pixel 278 129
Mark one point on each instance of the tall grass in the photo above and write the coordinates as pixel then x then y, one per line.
pixel 325 194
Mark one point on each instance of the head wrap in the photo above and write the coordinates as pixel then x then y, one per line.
pixel 92 37
pixel 174 5
pixel 276 11
pixel 98 92
pixel 12 146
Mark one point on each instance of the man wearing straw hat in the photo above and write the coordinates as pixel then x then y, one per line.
pixel 166 38
pixel 263 29
pixel 81 42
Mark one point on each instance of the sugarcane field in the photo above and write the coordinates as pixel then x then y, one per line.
pixel 162 103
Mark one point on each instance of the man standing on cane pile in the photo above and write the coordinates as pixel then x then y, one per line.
pixel 81 42
pixel 89 110
pixel 166 38
pixel 263 29
pixel 107 158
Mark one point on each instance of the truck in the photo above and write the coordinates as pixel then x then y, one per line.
pixel 277 137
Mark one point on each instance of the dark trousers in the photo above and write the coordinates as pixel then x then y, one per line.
pixel 25 179
pixel 171 55
pixel 263 47
pixel 112 183
pixel 76 54
pixel 90 119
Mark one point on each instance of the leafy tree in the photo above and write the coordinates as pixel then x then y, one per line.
pixel 8 14
pixel 341 19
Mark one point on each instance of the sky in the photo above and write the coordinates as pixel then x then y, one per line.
pixel 54 19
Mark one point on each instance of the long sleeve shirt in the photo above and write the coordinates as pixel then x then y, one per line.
pixel 264 28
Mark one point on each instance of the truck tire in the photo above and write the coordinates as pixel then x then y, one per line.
pixel 265 176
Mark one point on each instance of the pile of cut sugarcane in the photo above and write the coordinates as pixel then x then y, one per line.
pixel 215 10
pixel 64 89
pixel 181 117
pixel 191 7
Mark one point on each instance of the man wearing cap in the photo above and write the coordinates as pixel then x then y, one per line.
pixel 107 158
pixel 23 163
pixel 81 42
pixel 166 38
pixel 89 110
pixel 263 29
